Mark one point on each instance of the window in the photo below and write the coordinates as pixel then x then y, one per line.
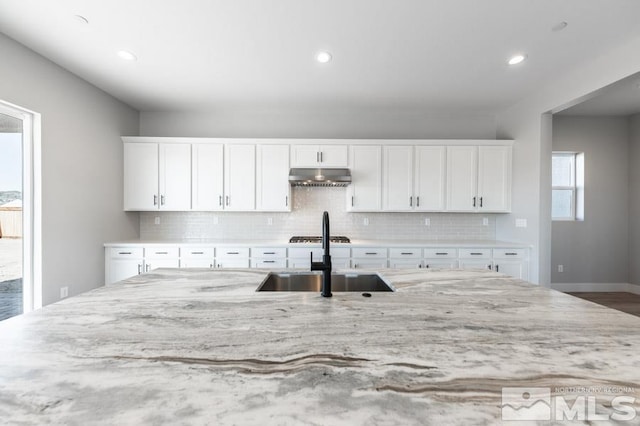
pixel 567 180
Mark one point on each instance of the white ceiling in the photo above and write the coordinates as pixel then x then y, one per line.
pixel 428 54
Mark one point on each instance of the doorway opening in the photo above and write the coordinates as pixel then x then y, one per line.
pixel 20 276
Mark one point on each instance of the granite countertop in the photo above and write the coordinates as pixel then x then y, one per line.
pixel 202 347
pixel 354 243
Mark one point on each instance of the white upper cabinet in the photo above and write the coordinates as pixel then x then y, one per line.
pixel 240 177
pixel 494 178
pixel 319 156
pixel 157 176
pixel 365 191
pixel 273 191
pixel 397 178
pixel 207 182
pixel 429 178
pixel 479 178
pixel 413 178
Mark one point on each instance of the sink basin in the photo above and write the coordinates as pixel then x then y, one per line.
pixel 308 281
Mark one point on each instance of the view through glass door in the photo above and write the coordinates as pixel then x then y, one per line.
pixel 11 226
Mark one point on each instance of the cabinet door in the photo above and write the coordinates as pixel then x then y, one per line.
pixel 334 156
pixel 305 155
pixel 194 262
pixel 121 269
pixel 405 263
pixel 273 191
pixel 365 191
pixel 462 178
pixel 141 176
pixel 175 176
pixel 476 264
pixel 514 268
pixel 207 187
pixel 397 178
pixel 429 183
pixel 161 262
pixel 240 177
pixel 440 264
pixel 494 178
pixel 360 263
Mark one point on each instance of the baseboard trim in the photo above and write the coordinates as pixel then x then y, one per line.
pixel 596 287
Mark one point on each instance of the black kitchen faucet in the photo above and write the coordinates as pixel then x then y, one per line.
pixel 325 265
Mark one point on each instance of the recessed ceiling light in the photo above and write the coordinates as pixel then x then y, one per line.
pixel 80 19
pixel 559 26
pixel 126 55
pixel 516 59
pixel 323 57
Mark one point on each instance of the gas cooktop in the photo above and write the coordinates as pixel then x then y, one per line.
pixel 317 239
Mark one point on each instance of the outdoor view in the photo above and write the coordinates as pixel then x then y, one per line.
pixel 10 217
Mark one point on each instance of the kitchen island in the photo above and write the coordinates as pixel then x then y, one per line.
pixel 202 347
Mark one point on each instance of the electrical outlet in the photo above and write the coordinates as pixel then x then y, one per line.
pixel 427 221
pixel 485 221
pixel 365 221
pixel 269 221
pixel 156 220
pixel 215 220
pixel 560 268
pixel 64 292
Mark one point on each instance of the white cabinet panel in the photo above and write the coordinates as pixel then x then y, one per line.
pixel 175 177
pixel 194 262
pixel 462 175
pixel 368 263
pixel 397 181
pixel 240 177
pixel 269 263
pixel 405 263
pixel 123 268
pixel 319 156
pixel 476 264
pixel 207 177
pixel 365 191
pixel 429 180
pixel 273 191
pixel 141 176
pixel 494 178
pixel 515 268
pixel 440 263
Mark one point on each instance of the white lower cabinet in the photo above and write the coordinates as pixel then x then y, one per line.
pixel 369 258
pixel 440 258
pixel 122 263
pixel 511 262
pixel 201 257
pixel 269 258
pixel 161 257
pixel 405 258
pixel 300 258
pixel 232 257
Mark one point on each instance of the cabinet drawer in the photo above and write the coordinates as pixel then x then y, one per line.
pixel 125 252
pixel 475 253
pixel 372 252
pixel 509 253
pixel 405 253
pixel 269 263
pixel 161 252
pixel 303 253
pixel 440 253
pixel 197 253
pixel 269 252
pixel 232 252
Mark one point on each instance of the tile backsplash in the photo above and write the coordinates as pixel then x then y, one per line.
pixel 306 219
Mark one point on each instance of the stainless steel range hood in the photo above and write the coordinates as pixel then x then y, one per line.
pixel 319 177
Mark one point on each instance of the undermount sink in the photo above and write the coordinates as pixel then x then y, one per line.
pixel 306 281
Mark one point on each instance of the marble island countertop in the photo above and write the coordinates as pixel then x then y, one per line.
pixel 202 347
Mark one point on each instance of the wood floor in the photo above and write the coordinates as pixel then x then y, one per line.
pixel 625 302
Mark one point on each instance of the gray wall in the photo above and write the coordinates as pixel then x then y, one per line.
pixel 81 166
pixel 316 123
pixel 528 122
pixel 634 199
pixel 595 250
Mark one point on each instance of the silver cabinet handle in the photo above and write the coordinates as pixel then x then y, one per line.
pixel 162 200
pixel 220 199
pixel 418 201
pixel 480 201
pixel 352 201
pixel 317 156
pixel 155 200
pixel 371 253
pixel 128 252
pixel 511 254
pixel 474 201
pixel 497 268
pixel 475 254
pixel 489 267
pixel 406 253
pixel 411 201
pixel 197 252
pixel 321 159
pixel 286 201
pixel 269 261
pixel 269 252
pixel 139 269
pixel 146 267
pixel 441 254
pixel 211 265
pixel 227 198
pixel 233 252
